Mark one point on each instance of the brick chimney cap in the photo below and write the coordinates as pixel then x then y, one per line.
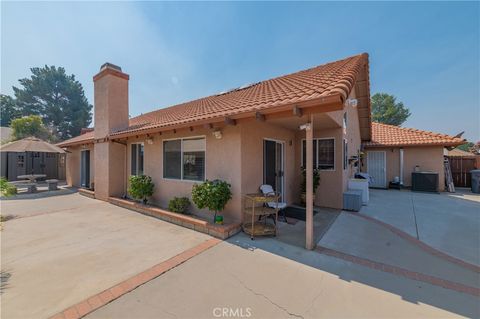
pixel 109 65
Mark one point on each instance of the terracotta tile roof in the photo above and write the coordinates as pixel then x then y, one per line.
pixel 390 135
pixel 459 153
pixel 327 80
pixel 80 139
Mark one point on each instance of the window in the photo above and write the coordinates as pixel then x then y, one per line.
pixel 137 159
pixel 184 159
pixel 20 161
pixel 323 153
pixel 345 154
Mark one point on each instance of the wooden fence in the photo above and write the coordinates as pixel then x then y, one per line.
pixel 461 167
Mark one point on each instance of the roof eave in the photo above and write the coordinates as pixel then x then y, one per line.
pixel 329 103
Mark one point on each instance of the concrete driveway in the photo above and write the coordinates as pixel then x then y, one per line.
pixel 63 249
pixel 447 222
pixel 266 279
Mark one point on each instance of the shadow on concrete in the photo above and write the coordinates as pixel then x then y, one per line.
pixel 412 291
pixel 4 277
pixel 42 192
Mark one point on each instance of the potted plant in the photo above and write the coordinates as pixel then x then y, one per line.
pixel 141 187
pixel 316 182
pixel 212 195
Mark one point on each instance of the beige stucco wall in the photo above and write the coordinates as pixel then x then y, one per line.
pixel 253 133
pixel 429 158
pixel 333 182
pixel 222 162
pixel 73 164
pixel 329 191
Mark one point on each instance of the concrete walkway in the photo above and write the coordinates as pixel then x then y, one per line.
pixel 67 248
pixel 266 278
pixel 447 222
pixel 356 236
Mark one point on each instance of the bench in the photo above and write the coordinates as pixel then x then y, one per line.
pixel 52 184
pixel 31 187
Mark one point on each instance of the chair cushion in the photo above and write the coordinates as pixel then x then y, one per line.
pixel 267 189
pixel 278 205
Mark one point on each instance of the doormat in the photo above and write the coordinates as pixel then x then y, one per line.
pixel 298 213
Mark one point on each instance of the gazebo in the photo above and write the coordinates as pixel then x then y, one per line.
pixel 32 155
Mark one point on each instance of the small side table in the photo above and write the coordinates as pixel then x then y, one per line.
pixel 254 207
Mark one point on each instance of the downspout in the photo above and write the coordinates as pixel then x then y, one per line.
pixel 401 166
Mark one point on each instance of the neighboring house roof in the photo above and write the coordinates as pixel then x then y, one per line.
pixel 331 80
pixel 31 144
pixel 460 153
pixel 84 138
pixel 5 133
pixel 391 135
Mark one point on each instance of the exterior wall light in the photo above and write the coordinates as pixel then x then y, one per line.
pixel 149 141
pixel 217 134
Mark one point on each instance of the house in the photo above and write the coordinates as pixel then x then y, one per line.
pixel 395 151
pixel 252 135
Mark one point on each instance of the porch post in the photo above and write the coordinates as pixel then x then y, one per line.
pixel 309 244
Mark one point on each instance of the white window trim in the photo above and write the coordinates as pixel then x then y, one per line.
pixel 136 173
pixel 181 179
pixel 316 139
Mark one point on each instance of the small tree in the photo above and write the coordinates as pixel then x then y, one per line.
pixel 29 126
pixel 386 109
pixel 141 187
pixel 212 195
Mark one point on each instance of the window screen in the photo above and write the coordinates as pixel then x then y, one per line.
pixel 172 159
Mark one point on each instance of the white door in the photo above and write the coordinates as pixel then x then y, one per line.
pixel 377 168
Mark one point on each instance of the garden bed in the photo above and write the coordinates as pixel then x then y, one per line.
pixel 193 222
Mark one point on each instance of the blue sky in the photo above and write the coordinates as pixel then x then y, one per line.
pixel 426 54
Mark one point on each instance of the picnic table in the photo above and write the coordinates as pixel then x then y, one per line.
pixel 32 177
pixel 31 185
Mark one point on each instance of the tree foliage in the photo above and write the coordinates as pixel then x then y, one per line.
pixel 467 147
pixel 30 126
pixel 213 195
pixel 57 97
pixel 8 110
pixel 141 187
pixel 386 109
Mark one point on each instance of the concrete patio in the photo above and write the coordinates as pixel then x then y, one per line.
pixel 60 250
pixel 271 279
pixel 449 222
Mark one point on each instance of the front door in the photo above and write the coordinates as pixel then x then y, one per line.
pixel 273 171
pixel 376 167
pixel 85 169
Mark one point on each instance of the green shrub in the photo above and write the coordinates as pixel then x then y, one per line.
pixel 141 187
pixel 316 180
pixel 212 195
pixel 7 189
pixel 179 205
